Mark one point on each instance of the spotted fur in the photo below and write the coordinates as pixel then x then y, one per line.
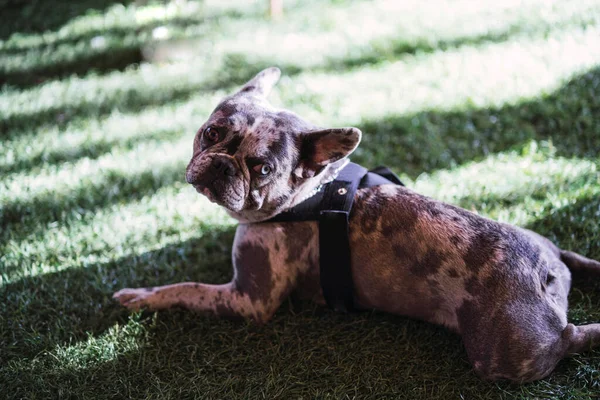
pixel 502 288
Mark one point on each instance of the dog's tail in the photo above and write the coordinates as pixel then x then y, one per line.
pixel 579 264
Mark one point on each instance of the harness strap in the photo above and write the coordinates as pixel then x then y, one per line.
pixel 331 208
pixel 334 240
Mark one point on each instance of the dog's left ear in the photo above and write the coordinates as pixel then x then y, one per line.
pixel 262 83
pixel 323 147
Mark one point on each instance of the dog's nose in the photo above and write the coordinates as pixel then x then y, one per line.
pixel 223 166
pixel 190 178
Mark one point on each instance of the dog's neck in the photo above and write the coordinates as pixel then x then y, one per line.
pixel 309 188
pixel 313 185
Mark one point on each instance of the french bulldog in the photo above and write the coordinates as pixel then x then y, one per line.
pixel 502 288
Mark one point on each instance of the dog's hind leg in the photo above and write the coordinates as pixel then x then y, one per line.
pixel 574 339
pixel 579 264
pixel 580 338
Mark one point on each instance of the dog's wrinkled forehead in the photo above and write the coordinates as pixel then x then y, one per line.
pixel 248 111
pixel 263 129
pixel 248 115
pixel 237 112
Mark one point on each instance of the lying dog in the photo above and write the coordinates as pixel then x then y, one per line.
pixel 502 288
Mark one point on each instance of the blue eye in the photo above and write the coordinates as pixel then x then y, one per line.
pixel 265 170
pixel 262 169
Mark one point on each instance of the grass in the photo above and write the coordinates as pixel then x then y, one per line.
pixel 492 106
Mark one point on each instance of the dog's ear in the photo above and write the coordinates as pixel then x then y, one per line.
pixel 322 147
pixel 262 83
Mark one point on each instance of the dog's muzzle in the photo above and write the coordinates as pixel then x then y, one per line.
pixel 218 182
pixel 221 168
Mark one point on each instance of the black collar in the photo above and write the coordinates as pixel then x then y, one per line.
pixel 342 189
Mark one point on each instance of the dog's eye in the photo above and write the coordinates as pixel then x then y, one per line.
pixel 262 169
pixel 211 134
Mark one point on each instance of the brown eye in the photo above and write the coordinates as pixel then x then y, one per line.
pixel 262 169
pixel 211 134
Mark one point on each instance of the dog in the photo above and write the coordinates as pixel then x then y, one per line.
pixel 503 289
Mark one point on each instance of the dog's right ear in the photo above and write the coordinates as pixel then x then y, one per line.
pixel 323 147
pixel 262 84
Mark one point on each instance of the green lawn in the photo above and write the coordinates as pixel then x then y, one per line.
pixel 493 106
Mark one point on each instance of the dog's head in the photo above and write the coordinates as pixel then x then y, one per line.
pixel 256 160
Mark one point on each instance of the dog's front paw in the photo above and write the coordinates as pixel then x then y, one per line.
pixel 135 299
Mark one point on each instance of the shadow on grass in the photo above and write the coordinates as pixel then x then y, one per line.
pixel 117 59
pixel 305 353
pixel 294 356
pixel 123 32
pixel 329 350
pixel 55 308
pixel 37 16
pixel 125 49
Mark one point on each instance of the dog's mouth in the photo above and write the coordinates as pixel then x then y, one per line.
pixel 204 190
pixel 228 198
pixel 208 193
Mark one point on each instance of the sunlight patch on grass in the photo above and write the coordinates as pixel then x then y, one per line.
pixel 172 214
pixel 285 49
pixel 515 188
pixel 385 29
pixel 93 137
pixel 118 340
pixel 130 18
pixel 506 175
pixel 534 209
pixel 153 157
pixel 120 38
pixel 98 94
pixel 469 77
pixel 485 76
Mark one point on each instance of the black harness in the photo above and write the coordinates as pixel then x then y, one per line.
pixel 331 207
